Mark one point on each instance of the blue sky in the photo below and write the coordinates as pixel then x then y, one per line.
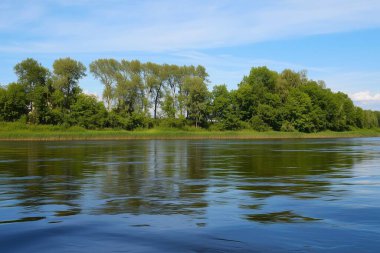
pixel 334 40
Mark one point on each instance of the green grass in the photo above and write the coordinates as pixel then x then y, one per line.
pixel 19 131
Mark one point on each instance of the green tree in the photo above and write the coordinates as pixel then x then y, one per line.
pixel 262 77
pixel 257 88
pixel 36 80
pixel 197 100
pixel 246 101
pixel 88 112
pixel 14 102
pixel 158 77
pixel 293 79
pixel 105 70
pixel 168 107
pixel 223 109
pixel 290 79
pixel 3 100
pixel 67 73
pixel 368 119
pixel 297 110
pixel 127 90
pixel 31 74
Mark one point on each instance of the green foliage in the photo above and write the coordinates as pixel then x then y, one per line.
pixel 3 100
pixel 179 123
pixel 31 74
pixel 129 121
pixel 106 71
pixel 88 113
pixel 55 117
pixel 223 109
pixel 221 101
pixel 197 99
pixel 246 101
pixel 139 120
pixel 262 78
pixel 231 122
pixel 14 102
pixel 168 107
pixel 258 124
pixel 115 120
pixel 140 95
pixel 287 127
pixel 67 73
pixel 297 110
pixel 37 81
pixel 290 79
pixel 270 115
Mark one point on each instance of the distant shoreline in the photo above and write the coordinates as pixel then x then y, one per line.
pixel 172 134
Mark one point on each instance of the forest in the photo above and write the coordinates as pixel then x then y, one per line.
pixel 145 95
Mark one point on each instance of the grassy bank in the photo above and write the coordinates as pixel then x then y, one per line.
pixel 16 131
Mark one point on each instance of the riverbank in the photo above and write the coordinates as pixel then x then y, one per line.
pixel 15 132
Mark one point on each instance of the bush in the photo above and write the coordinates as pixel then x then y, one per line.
pixel 258 124
pixel 231 122
pixel 129 121
pixel 116 121
pixel 172 123
pixel 287 127
pixel 139 120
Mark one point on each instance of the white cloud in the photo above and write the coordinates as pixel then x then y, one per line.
pixel 163 25
pixel 181 31
pixel 367 100
pixel 15 16
pixel 227 60
pixel 94 94
pixel 366 96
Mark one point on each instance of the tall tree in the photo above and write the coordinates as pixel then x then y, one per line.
pixel 67 73
pixel 159 77
pixel 297 111
pixel 139 76
pixel 198 99
pixel 105 70
pixel 223 109
pixel 31 73
pixel 129 87
pixel 262 77
pixel 35 78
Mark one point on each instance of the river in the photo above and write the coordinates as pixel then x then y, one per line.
pixel 190 196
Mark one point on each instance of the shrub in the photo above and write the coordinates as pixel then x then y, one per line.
pixel 287 127
pixel 258 124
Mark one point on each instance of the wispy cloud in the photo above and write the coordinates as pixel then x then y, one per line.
pixel 230 69
pixel 163 25
pixel 366 99
pixel 214 33
pixel 228 60
pixel 366 96
pixel 12 15
pixel 94 94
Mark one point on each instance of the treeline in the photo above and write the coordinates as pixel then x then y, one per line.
pixel 144 95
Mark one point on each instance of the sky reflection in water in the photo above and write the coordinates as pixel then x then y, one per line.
pixel 190 196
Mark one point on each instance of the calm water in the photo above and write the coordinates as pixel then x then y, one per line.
pixel 190 196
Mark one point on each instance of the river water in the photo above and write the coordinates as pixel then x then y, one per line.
pixel 190 196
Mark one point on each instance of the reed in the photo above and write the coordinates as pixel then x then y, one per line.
pixel 22 132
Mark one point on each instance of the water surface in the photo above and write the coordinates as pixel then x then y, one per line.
pixel 190 196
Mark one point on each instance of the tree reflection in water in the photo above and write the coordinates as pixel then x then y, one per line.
pixel 170 177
